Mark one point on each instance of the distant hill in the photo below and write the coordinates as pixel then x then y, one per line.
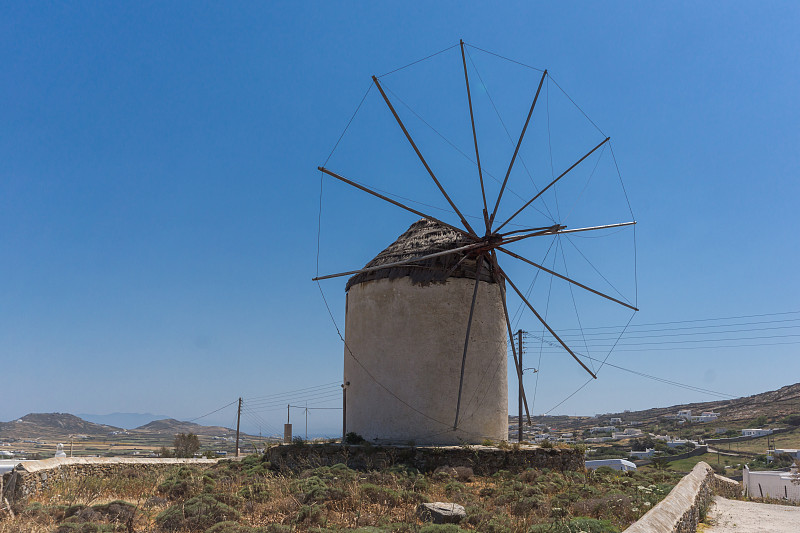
pixel 172 426
pixel 775 405
pixel 123 420
pixel 59 426
pixel 35 425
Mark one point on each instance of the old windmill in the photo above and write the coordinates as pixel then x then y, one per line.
pixel 427 321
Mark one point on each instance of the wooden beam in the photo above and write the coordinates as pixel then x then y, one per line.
pixel 403 262
pixel 466 340
pixel 517 364
pixel 516 150
pixel 565 278
pixel 421 158
pixel 475 139
pixel 395 202
pixel 546 325
pixel 575 164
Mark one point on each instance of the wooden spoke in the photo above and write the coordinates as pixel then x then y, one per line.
pixel 403 262
pixel 565 278
pixel 475 138
pixel 553 333
pixel 421 158
pixel 395 202
pixel 516 150
pixel 466 341
pixel 526 230
pixel 517 365
pixel 529 202
pixel 593 228
pixel 552 230
pixel 557 230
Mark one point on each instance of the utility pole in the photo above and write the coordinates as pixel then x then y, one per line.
pixel 344 410
pixel 238 419
pixel 519 392
pixel 306 421
pixel 287 427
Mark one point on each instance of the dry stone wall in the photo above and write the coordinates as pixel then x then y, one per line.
pixel 685 506
pixel 32 476
pixel 483 460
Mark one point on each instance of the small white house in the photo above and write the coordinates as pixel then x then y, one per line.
pixel 678 442
pixel 759 432
pixel 615 421
pixel 627 434
pixel 789 451
pixel 603 429
pixel 617 464
pixel 770 484
pixel 643 454
pixel 685 414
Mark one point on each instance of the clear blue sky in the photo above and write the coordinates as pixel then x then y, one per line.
pixel 159 193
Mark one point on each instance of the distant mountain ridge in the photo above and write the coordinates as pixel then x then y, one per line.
pixel 123 420
pixel 774 405
pixel 49 423
pixel 62 425
pixel 170 425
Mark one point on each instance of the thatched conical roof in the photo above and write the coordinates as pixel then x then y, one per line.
pixel 422 238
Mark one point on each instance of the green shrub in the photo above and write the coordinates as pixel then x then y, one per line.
pixel 254 492
pixel 526 505
pixel 354 438
pixel 339 472
pixel 312 514
pixel 229 527
pixel 184 482
pixel 591 525
pixel 378 494
pixel 84 527
pixel 275 528
pixel 314 489
pixel 441 528
pixel 116 511
pixel 200 512
pixel 409 496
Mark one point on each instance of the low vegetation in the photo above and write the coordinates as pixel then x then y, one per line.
pixel 248 496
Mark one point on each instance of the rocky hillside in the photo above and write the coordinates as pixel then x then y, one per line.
pixel 775 405
pixel 35 425
pixel 171 426
pixel 60 426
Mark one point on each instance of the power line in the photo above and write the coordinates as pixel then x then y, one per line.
pixel 214 411
pixel 254 398
pixel 699 327
pixel 293 399
pixel 703 320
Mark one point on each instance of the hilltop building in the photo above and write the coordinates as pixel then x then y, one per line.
pixel 759 432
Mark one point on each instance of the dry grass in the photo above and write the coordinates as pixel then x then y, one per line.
pixel 259 500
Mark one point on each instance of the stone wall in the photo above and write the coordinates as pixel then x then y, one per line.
pixel 686 505
pixel 483 460
pixel 32 476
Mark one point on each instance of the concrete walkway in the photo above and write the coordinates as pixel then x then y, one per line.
pixel 733 516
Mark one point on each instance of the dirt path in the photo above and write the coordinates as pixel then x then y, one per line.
pixel 733 516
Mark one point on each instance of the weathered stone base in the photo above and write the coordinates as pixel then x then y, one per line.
pixel 483 460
